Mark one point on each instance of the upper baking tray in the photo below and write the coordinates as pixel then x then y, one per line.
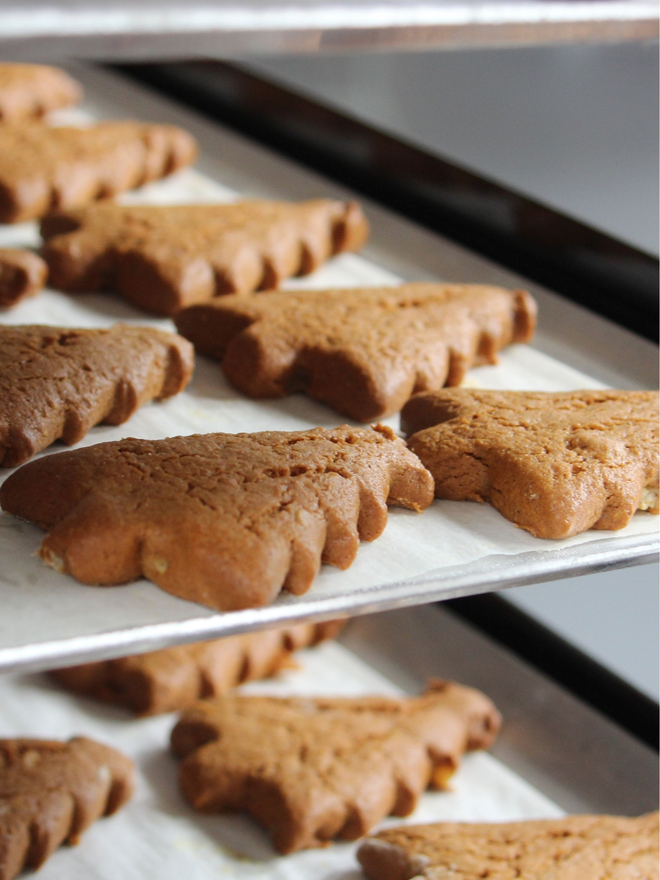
pixel 452 549
pixel 228 29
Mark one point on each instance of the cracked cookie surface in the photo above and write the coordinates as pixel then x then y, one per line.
pixel 311 769
pixel 227 520
pixel 22 274
pixel 362 351
pixel 572 848
pixel 174 678
pixel 554 464
pixel 47 168
pixel 51 792
pixel 32 90
pixel 58 382
pixel 163 258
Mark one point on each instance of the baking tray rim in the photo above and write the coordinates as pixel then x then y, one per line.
pixel 482 576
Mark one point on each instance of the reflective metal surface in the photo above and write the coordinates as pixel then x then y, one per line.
pixel 36 30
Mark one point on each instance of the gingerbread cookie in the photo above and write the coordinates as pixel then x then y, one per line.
pixel 555 464
pixel 311 769
pixel 58 382
pixel 363 352
pixel 32 90
pixel 572 848
pixel 163 258
pixel 227 520
pixel 45 168
pixel 51 792
pixel 174 678
pixel 22 274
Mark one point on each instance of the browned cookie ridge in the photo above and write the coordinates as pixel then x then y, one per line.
pixel 47 168
pixel 174 678
pixel 364 351
pixel 555 464
pixel 163 258
pixel 312 769
pixel 572 848
pixel 32 90
pixel 22 274
pixel 58 382
pixel 227 520
pixel 51 792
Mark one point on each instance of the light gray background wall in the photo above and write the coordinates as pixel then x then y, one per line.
pixel 575 127
pixel 611 616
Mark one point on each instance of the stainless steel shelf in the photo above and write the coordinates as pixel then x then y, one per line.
pixel 34 29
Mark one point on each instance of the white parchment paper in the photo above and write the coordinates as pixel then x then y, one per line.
pixel 42 610
pixel 158 836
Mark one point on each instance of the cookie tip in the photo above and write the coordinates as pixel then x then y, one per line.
pixel 51 559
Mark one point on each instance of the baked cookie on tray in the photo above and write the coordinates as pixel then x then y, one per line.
pixel 45 168
pixel 174 678
pixel 58 382
pixel 226 520
pixel 555 464
pixel 362 351
pixel 162 258
pixel 51 792
pixel 572 848
pixel 32 90
pixel 311 769
pixel 22 274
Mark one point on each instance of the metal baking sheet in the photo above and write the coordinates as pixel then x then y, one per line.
pixel 553 755
pixel 452 549
pixel 228 29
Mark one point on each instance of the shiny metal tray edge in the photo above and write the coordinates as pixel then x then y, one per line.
pixel 494 573
pixel 230 30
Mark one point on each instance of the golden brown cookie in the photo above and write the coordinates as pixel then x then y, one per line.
pixel 174 678
pixel 365 351
pixel 51 792
pixel 22 274
pixel 48 168
pixel 32 90
pixel 311 769
pixel 227 520
pixel 163 258
pixel 555 464
pixel 572 848
pixel 58 382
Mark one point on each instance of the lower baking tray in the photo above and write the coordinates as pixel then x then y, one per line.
pixel 554 754
pixel 452 549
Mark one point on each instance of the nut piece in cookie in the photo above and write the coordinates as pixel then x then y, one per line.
pixel 555 464
pixel 58 382
pixel 32 90
pixel 163 258
pixel 22 274
pixel 174 678
pixel 47 168
pixel 227 520
pixel 51 792
pixel 312 769
pixel 364 351
pixel 584 847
